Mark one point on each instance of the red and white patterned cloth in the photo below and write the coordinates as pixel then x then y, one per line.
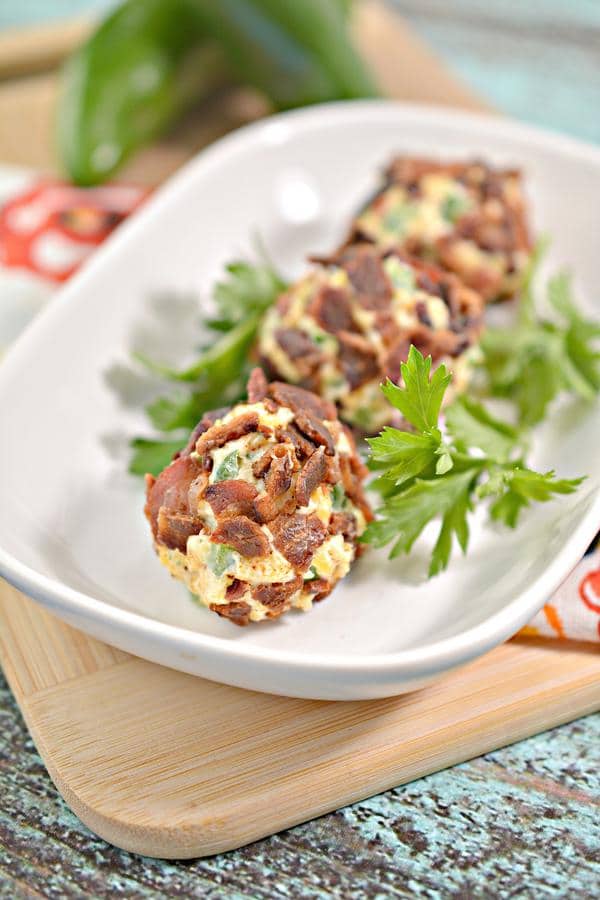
pixel 573 613
pixel 48 229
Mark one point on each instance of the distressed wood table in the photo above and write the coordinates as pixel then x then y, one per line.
pixel 520 822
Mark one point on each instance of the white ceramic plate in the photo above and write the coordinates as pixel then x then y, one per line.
pixel 72 533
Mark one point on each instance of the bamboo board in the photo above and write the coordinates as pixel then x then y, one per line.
pixel 169 765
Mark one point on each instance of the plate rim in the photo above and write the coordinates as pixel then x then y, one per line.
pixel 431 657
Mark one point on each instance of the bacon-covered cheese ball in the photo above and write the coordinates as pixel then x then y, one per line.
pixel 262 509
pixel 467 217
pixel 348 325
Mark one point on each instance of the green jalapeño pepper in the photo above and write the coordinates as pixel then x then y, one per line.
pixel 150 60
pixel 147 62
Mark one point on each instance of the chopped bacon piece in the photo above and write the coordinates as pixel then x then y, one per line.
pixel 437 343
pixel 353 487
pixel 208 419
pixel 368 277
pixel 297 537
pixel 311 475
pixel 279 476
pixel 358 359
pixel 298 399
pixel 298 345
pixel 283 303
pixel 387 326
pixel 332 471
pixel 332 309
pixel 233 497
pixel 321 588
pixel 396 355
pixel 276 596
pixel 315 430
pixel 175 528
pixel 243 535
pixel 219 435
pixel 303 447
pixel 261 466
pixel 236 590
pixel 170 489
pixel 267 508
pixel 257 385
pixel 343 523
pixel 196 491
pixel 238 613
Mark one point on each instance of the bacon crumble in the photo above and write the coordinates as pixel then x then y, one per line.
pixel 260 514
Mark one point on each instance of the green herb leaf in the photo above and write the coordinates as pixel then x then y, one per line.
pixel 583 373
pixel 404 454
pixel 223 360
pixel 406 514
pixel 530 273
pixel 249 288
pixel 454 522
pixel 420 399
pixel 535 360
pixel 423 477
pixel 471 425
pixel 218 377
pixel 150 456
pixel 522 486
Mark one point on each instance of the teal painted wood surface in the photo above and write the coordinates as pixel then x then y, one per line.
pixel 537 60
pixel 521 822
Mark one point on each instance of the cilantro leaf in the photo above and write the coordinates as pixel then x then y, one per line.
pixel 218 376
pixel 420 399
pixel 471 425
pixel 521 486
pixel 221 361
pixel 249 288
pixel 423 477
pixel 536 359
pixel 454 522
pixel 583 374
pixel 406 514
pixel 528 277
pixel 151 456
pixel 405 455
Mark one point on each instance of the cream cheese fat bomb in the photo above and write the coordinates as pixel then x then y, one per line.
pixel 263 508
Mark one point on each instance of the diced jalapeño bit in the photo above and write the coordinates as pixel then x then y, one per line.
pixel 362 418
pixel 398 218
pixel 453 207
pixel 220 558
pixel 338 497
pixel 312 574
pixel 228 468
pixel 401 276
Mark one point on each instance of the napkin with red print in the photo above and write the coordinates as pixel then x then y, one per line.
pixel 49 228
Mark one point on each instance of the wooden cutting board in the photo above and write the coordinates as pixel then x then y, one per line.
pixel 169 765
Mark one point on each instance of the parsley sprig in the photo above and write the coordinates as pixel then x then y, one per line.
pixel 218 376
pixel 424 476
pixel 534 360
